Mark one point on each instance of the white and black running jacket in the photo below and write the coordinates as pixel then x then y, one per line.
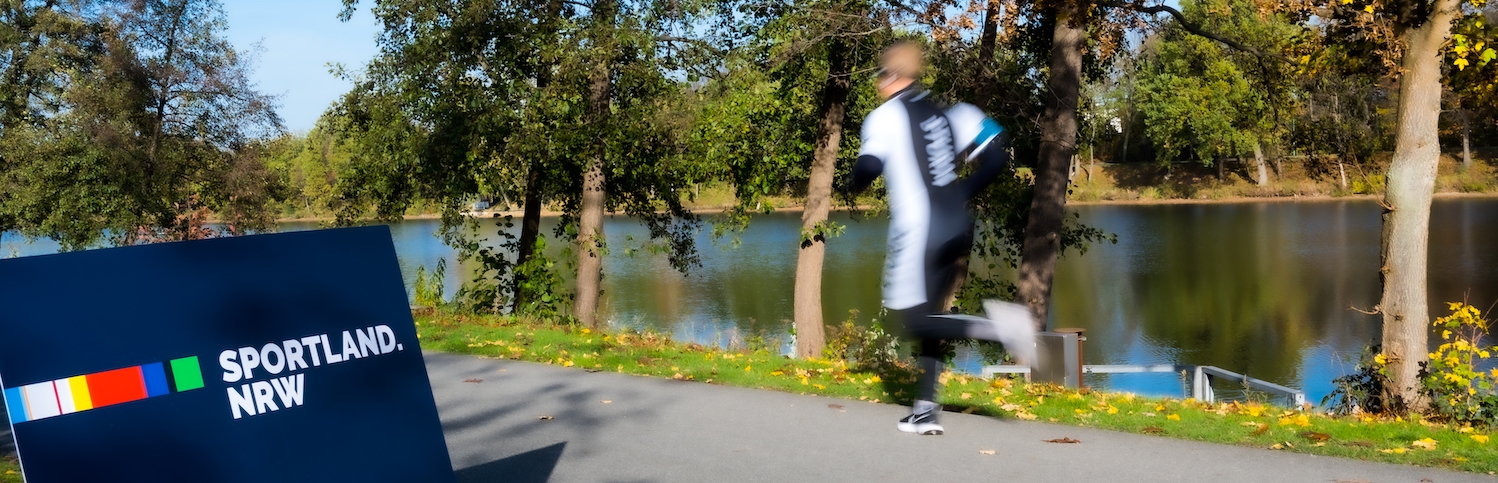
pixel 918 147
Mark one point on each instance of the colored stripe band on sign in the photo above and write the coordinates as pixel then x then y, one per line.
pixel 15 405
pixel 81 393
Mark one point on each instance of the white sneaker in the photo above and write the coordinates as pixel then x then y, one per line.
pixel 923 423
pixel 1015 328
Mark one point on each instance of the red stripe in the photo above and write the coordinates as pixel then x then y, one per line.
pixel 117 386
pixel 56 397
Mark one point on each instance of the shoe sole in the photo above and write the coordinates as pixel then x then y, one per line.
pixel 928 429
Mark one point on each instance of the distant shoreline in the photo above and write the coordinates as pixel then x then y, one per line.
pixel 1136 202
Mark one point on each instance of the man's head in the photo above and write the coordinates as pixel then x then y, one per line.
pixel 899 67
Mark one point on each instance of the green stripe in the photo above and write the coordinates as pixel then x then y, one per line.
pixel 187 374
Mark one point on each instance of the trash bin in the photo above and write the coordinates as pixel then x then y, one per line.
pixel 1058 357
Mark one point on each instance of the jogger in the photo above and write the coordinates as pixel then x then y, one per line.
pixel 918 147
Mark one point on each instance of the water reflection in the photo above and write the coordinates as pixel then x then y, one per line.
pixel 1261 288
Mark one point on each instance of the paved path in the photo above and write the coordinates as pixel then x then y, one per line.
pixel 656 430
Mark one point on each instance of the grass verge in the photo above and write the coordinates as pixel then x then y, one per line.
pixel 1400 440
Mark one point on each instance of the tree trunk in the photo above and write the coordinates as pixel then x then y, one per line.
pixel 530 221
pixel 530 227
pixel 1406 217
pixel 590 220
pixel 1466 144
pixel 808 297
pixel 986 43
pixel 1263 170
pixel 1342 173
pixel 1058 127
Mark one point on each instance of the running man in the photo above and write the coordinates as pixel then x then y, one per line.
pixel 918 147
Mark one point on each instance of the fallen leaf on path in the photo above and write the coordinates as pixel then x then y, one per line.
pixel 987 451
pixel 607 401
pixel 475 381
pixel 547 418
pixel 1425 443
pixel 1277 446
pixel 835 406
pixel 1063 440
pixel 1025 416
pixel 1427 480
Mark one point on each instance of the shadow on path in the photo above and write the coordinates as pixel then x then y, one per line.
pixel 534 466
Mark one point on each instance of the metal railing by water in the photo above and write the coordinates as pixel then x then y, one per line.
pixel 1201 380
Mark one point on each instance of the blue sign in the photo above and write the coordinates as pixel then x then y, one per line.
pixel 266 358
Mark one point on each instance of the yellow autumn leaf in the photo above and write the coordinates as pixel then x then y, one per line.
pixel 1286 421
pixel 819 386
pixel 748 368
pixel 1112 410
pixel 1393 451
pixel 1368 9
pixel 1302 421
pixel 777 373
pixel 1479 438
pixel 567 364
pixel 1174 417
pixel 1425 443
pixel 873 379
pixel 1461 64
pixel 967 395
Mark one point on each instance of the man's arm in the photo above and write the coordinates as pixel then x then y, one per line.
pixel 865 170
pixel 991 157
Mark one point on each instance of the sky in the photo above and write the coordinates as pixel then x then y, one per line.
pixel 298 39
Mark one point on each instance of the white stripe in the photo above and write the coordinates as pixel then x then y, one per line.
pixel 41 401
pixel 65 396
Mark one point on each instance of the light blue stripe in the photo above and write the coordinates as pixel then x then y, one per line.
pixel 15 404
pixel 990 129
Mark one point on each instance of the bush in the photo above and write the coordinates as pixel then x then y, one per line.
pixel 1366 389
pixel 1458 391
pixel 427 287
pixel 869 348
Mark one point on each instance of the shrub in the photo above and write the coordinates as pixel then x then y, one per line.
pixel 1458 391
pixel 1366 389
pixel 867 347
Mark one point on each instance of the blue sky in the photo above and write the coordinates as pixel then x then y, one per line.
pixel 299 39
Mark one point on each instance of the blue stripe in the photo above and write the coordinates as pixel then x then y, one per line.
pixel 15 404
pixel 155 379
pixel 990 129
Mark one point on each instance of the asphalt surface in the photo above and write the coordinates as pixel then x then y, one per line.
pixel 521 422
pixel 531 423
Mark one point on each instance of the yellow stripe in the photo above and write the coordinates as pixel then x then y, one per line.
pixel 81 399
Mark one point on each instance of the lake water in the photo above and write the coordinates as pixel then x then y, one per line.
pixel 1261 288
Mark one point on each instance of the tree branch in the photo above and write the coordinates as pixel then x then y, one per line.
pixel 1193 28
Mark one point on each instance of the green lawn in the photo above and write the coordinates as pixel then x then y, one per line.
pixel 1399 440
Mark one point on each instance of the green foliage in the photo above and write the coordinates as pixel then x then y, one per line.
pixel 1200 97
pixel 1459 391
pixel 1366 389
pixel 125 122
pixel 867 348
pixel 427 287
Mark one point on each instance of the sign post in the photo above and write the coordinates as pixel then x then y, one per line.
pixel 286 357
